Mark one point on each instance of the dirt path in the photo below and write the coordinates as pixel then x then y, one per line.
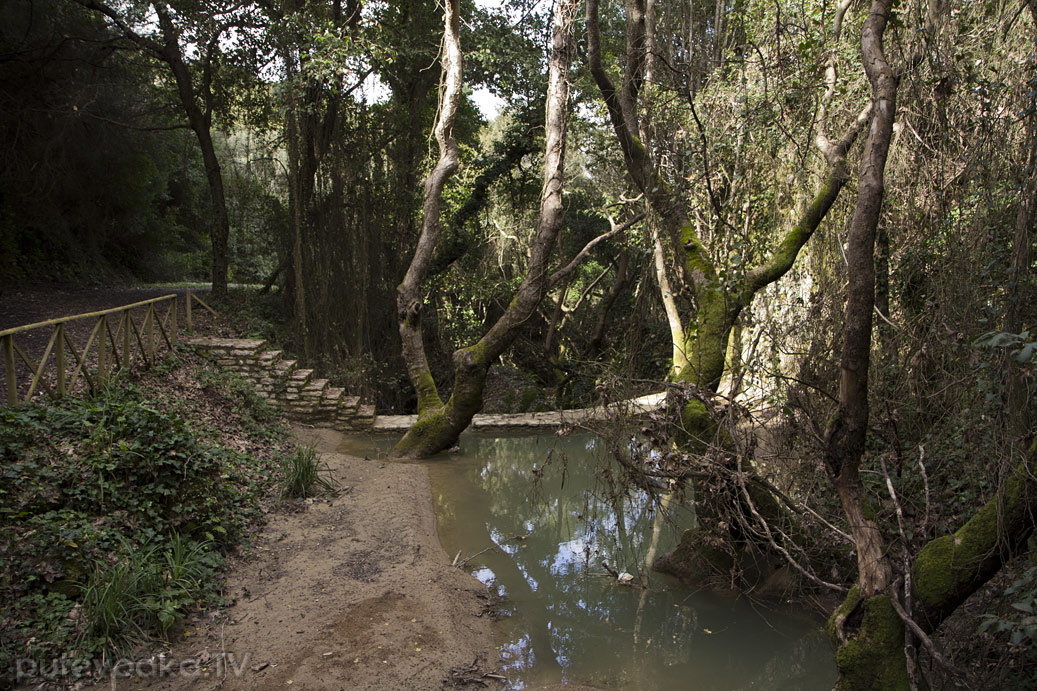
pixel 350 593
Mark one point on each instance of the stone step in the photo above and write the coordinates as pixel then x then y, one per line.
pixel 394 423
pixel 284 366
pixel 332 398
pixel 297 380
pixel 229 346
pixel 294 390
pixel 267 358
pixel 314 388
pixel 299 377
pixel 282 369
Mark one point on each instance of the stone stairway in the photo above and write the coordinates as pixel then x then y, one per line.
pixel 294 390
pixel 314 401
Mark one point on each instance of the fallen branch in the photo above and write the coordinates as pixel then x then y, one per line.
pixel 921 635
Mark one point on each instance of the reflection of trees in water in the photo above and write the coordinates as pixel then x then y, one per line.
pixel 575 623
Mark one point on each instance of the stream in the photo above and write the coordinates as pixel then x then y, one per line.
pixel 539 507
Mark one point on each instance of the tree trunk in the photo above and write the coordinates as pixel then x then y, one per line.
pixel 297 202
pixel 866 629
pixel 201 123
pixel 598 335
pixel 440 424
pixel 409 298
pixel 703 340
pixel 673 317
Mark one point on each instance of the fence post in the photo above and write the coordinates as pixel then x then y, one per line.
pixel 59 358
pixel 187 303
pixel 12 381
pixel 126 340
pixel 102 351
pixel 150 319
pixel 172 320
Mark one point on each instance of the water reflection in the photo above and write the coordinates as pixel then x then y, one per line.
pixel 541 501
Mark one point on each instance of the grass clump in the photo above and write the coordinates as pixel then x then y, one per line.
pixel 304 474
pixel 148 590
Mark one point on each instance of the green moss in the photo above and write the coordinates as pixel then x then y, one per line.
pixel 947 569
pixel 842 612
pixel 934 581
pixel 706 340
pixel 872 659
pixel 476 353
pixel 696 561
pixel 425 436
pixel 698 425
pixel 428 394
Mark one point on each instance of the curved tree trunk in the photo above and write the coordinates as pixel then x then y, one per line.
pixel 871 625
pixel 440 424
pixel 700 344
pixel 866 629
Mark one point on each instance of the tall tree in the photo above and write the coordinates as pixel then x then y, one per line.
pixel 702 340
pixel 200 28
pixel 871 625
pixel 440 423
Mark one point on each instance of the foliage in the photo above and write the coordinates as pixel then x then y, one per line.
pixel 115 511
pixel 1021 624
pixel 1021 346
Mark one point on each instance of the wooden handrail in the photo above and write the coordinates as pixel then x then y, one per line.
pixel 114 349
pixel 88 315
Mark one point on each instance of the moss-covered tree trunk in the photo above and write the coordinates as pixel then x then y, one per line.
pixel 440 423
pixel 868 631
pixel 700 345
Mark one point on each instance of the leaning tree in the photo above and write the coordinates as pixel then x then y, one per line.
pixel 896 600
pixel 440 422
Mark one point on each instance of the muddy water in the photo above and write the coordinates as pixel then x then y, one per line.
pixel 547 519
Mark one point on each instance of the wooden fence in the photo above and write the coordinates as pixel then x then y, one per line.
pixel 106 351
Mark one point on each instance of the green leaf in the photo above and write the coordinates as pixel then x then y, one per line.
pixel 1023 606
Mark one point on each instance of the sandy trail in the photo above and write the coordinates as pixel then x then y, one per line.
pixel 350 593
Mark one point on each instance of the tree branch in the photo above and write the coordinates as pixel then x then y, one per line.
pixel 143 41
pixel 582 255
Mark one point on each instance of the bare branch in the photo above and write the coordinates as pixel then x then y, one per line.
pixel 582 255
pixel 766 531
pixel 921 635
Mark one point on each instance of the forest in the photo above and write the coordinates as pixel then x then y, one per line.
pixel 811 224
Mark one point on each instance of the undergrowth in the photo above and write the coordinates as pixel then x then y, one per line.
pixel 117 511
pixel 303 474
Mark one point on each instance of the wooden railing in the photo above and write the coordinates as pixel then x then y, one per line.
pixel 106 351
